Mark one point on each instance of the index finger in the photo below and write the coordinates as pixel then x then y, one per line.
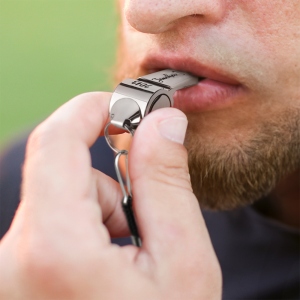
pixel 86 111
pixel 57 176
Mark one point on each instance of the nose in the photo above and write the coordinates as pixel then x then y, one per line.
pixel 156 16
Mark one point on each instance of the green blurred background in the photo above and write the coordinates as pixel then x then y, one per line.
pixel 50 51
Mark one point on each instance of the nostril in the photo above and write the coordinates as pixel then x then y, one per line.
pixel 157 16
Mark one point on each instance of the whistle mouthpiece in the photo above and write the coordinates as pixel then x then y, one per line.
pixel 133 99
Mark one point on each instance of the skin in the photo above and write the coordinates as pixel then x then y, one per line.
pixel 246 150
pixel 58 246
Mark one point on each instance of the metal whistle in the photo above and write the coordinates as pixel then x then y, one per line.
pixel 133 99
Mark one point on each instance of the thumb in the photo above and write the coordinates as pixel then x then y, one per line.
pixel 167 211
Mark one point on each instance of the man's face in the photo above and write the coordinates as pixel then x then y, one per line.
pixel 243 133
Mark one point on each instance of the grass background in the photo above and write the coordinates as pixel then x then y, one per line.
pixel 50 51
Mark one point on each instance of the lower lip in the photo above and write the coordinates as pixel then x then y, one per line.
pixel 206 95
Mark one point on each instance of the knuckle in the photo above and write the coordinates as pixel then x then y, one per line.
pixel 34 138
pixel 39 137
pixel 168 167
pixel 45 134
pixel 174 170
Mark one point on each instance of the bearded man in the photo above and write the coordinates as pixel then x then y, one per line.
pixel 243 146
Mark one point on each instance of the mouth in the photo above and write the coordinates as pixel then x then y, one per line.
pixel 216 89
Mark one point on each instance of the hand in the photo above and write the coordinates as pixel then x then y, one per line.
pixel 58 246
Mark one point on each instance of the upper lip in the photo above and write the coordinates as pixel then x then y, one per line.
pixel 153 63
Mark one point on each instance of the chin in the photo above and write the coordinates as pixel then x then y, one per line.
pixel 232 168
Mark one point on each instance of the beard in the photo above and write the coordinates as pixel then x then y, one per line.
pixel 228 172
pixel 237 173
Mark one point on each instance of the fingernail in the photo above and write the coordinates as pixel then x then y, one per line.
pixel 173 129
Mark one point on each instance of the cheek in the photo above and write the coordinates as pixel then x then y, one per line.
pixel 260 41
pixel 273 24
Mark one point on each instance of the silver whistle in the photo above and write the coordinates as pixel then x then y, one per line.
pixel 133 99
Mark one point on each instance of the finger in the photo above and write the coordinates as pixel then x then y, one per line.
pixel 109 197
pixel 167 211
pixel 58 181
